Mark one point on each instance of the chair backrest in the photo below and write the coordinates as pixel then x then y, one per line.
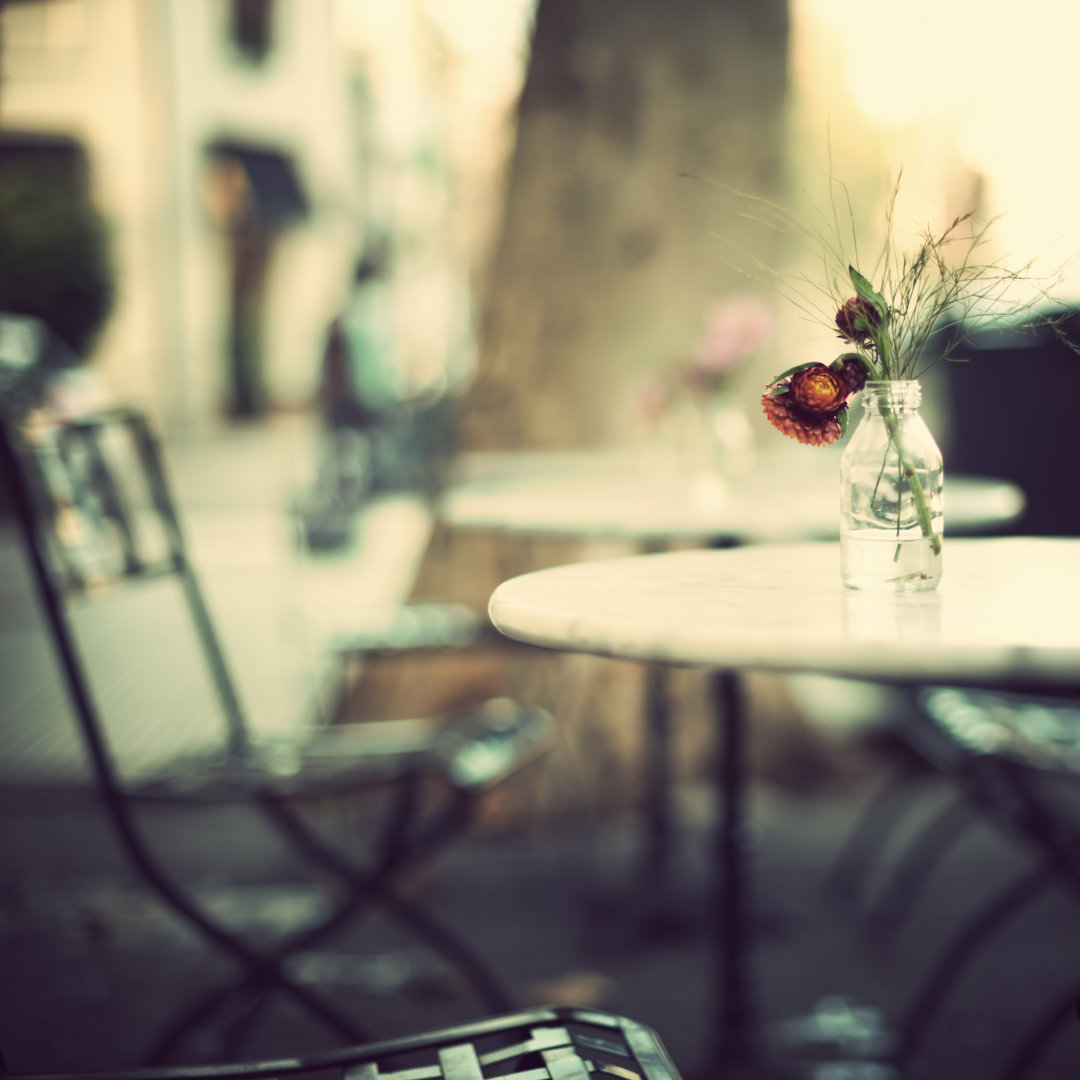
pixel 94 510
pixel 1011 415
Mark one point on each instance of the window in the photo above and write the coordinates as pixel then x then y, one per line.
pixel 251 27
pixel 55 25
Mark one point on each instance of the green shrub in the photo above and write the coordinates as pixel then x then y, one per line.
pixel 54 253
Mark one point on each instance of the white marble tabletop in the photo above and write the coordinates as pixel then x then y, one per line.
pixel 642 497
pixel 1007 610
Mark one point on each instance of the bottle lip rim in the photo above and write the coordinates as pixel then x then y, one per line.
pixel 898 393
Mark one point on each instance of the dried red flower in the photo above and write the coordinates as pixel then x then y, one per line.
pixel 806 406
pixel 856 319
pixel 818 389
pixel 813 429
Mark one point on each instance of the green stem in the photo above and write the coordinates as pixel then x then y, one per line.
pixel 878 373
pixel 907 467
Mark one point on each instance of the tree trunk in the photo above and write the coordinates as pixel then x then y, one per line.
pixel 607 258
pixel 605 267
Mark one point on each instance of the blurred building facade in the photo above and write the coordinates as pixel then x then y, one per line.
pixel 225 145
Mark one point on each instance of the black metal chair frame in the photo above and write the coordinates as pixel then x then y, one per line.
pixel 996 781
pixel 534 1044
pixel 468 757
pixel 993 770
pixel 996 772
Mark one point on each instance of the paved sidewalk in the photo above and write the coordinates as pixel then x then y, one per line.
pixel 276 606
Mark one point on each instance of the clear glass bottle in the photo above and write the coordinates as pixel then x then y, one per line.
pixel 891 495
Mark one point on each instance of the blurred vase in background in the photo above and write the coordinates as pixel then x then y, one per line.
pixel 696 405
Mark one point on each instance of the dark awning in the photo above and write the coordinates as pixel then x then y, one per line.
pixel 275 190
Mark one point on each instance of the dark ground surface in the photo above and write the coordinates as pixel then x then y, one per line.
pixel 92 963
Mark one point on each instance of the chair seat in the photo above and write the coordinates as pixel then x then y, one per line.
pixel 419 627
pixel 1038 733
pixel 471 750
pixel 530 1044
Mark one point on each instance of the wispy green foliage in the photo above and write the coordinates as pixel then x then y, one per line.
pixel 930 293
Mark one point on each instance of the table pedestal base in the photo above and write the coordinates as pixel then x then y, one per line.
pixel 737 1047
pixel 735 1035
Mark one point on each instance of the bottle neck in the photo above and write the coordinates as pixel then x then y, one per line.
pixel 894 395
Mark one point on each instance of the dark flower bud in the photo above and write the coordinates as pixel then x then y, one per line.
pixel 853 372
pixel 856 319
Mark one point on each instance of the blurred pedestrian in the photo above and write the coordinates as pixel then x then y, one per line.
pixel 357 401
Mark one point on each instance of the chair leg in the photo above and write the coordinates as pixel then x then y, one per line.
pixel 1029 815
pixel 871 831
pixel 1000 789
pixel 235 1027
pixel 915 867
pixel 259 967
pixel 959 952
pixel 364 887
pixel 262 971
pixel 239 1027
pixel 199 1013
pixel 1063 1010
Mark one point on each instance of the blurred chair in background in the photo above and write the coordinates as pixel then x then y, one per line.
pixel 95 511
pixel 1009 755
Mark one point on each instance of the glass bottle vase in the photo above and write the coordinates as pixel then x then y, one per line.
pixel 891 495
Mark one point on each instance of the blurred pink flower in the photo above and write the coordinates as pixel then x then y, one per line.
pixel 735 329
pixel 652 400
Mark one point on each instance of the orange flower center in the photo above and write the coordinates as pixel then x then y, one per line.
pixel 818 389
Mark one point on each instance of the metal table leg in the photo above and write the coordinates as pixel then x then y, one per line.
pixel 734 1032
pixel 658 826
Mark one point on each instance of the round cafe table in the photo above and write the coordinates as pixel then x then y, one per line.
pixel 1005 615
pixel 652 500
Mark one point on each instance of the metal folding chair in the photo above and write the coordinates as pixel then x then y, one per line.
pixel 96 514
pixel 535 1044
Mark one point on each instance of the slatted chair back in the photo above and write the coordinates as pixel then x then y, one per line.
pixel 531 1044
pixel 96 514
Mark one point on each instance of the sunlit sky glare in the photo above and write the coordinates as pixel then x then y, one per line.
pixel 992 83
pixel 931 57
pixel 489 38
pixel 946 86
